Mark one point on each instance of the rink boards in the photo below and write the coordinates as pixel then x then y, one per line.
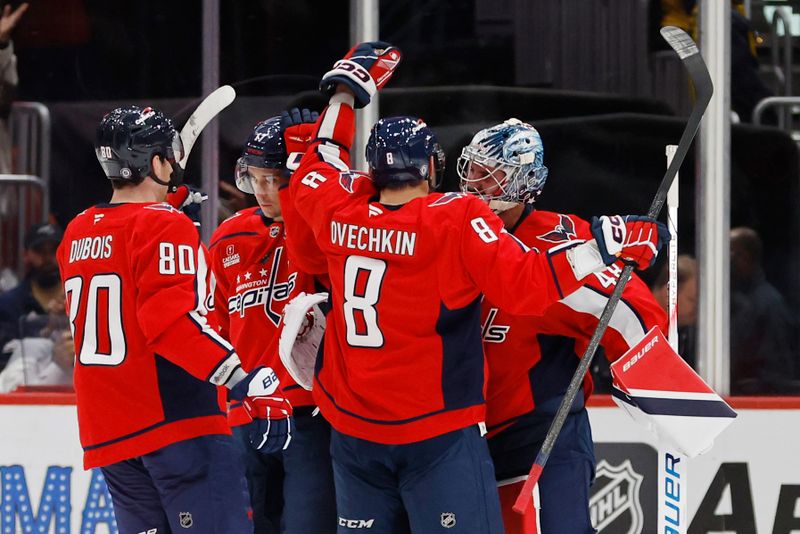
pixel 749 482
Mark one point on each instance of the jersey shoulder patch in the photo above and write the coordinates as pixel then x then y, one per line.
pixel 235 216
pixel 241 219
pixel 155 218
pixel 558 228
pixel 446 198
pixel 246 224
pixel 347 179
pixel 162 206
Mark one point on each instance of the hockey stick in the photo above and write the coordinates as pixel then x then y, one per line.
pixel 698 72
pixel 209 108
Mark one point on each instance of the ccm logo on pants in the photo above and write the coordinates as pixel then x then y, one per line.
pixel 356 523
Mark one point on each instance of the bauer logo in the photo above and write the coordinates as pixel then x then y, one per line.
pixel 623 496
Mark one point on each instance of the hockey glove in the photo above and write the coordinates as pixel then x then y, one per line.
pixel 365 69
pixel 269 419
pixel 297 126
pixel 188 200
pixel 301 337
pixel 633 239
pixel 260 382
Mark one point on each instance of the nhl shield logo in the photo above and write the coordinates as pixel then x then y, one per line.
pixel 448 519
pixel 185 519
pixel 615 504
pixel 274 231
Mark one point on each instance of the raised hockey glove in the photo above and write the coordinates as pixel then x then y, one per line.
pixel 188 200
pixel 365 69
pixel 269 422
pixel 260 382
pixel 633 239
pixel 297 127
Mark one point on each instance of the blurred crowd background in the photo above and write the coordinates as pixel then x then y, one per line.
pixel 593 76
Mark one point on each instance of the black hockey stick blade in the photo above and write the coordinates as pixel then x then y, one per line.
pixel 690 56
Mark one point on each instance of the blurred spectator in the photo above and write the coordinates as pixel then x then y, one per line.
pixel 8 88
pixel 747 87
pixel 41 285
pixel 762 328
pixel 687 304
pixel 8 79
pixel 46 356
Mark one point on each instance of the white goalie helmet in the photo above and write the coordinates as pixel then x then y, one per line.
pixel 504 165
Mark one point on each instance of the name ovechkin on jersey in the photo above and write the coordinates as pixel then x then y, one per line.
pixel 263 291
pixel 381 240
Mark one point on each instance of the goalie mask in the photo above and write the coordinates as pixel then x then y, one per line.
pixel 504 165
pixel 265 149
pixel 401 150
pixel 129 137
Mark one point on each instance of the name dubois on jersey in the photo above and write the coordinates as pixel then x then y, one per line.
pixel 90 248
pixel 381 240
pixel 263 292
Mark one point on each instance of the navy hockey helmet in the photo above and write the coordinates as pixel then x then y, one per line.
pixel 399 151
pixel 128 138
pixel 265 149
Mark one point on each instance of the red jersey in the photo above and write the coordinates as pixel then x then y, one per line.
pixel 301 243
pixel 254 279
pixel 146 359
pixel 532 359
pixel 403 360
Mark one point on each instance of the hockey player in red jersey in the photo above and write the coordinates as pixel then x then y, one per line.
pixel 402 375
pixel 254 281
pixel 148 365
pixel 532 359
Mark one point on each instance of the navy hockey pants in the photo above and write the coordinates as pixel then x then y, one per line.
pixel 292 491
pixel 442 484
pixel 194 486
pixel 567 477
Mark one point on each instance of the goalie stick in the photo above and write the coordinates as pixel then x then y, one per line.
pixel 209 108
pixel 690 56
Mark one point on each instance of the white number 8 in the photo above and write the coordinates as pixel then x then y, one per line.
pixel 389 158
pixel 483 230
pixel 360 300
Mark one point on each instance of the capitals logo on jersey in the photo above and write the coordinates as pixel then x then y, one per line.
pixel 493 333
pixel 563 232
pixel 262 291
pixel 347 179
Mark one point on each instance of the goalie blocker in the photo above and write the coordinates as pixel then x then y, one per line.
pixel 661 392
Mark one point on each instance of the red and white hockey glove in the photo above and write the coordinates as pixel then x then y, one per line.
pixel 297 126
pixel 269 419
pixel 365 69
pixel 631 238
pixel 188 200
pixel 184 196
